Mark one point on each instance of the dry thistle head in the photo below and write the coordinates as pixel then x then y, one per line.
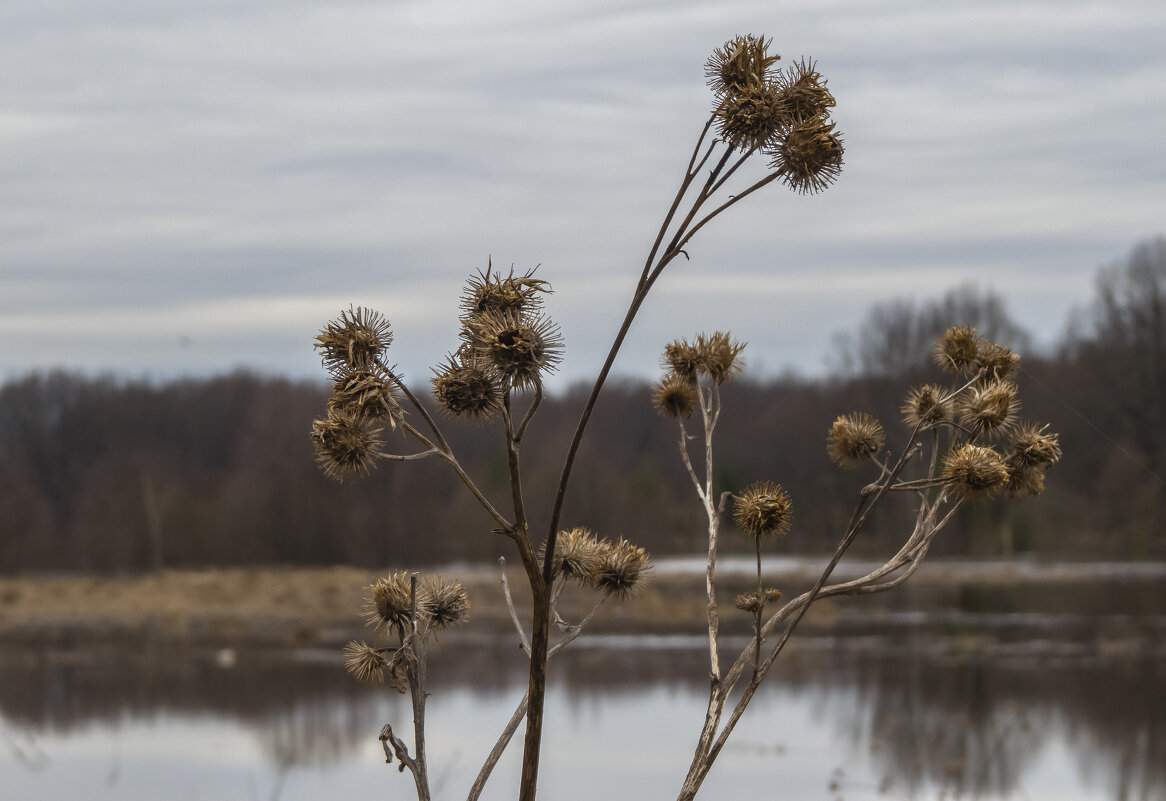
pixel 740 64
pixel 989 408
pixel 1025 480
pixel 624 567
pixel 518 349
pixel 345 444
pixel 682 359
pixel 492 293
pixel 974 471
pixel 446 602
pixel 803 92
pixel 925 406
pixel 751 117
pixel 674 396
pixel 389 602
pixel 366 395
pixel 578 556
pixel 763 509
pixel 996 362
pixel 355 341
pixel 464 388
pixel 365 663
pixel 854 438
pixel 716 356
pixel 809 156
pixel 752 601
pixel 1032 445
pixel 957 350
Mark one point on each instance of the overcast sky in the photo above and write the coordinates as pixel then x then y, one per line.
pixel 190 186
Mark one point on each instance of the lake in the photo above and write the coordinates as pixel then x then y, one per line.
pixel 1034 690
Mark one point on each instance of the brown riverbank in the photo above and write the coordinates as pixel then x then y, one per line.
pixel 322 606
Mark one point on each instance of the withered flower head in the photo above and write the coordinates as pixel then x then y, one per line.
pixel 803 92
pixel 926 406
pixel 739 64
pixel 681 358
pixel 446 602
pixel 579 556
pixel 355 341
pixel 511 294
pixel 624 566
pixel 345 444
pixel 957 349
pixel 520 350
pixel 389 602
pixel 974 471
pixel 366 395
pixel 462 387
pixel 365 663
pixel 716 356
pixel 989 408
pixel 751 601
pixel 809 156
pixel 996 361
pixel 750 118
pixel 1025 480
pixel 674 396
pixel 1032 444
pixel 763 509
pixel 854 438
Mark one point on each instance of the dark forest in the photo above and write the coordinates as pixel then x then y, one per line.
pixel 109 475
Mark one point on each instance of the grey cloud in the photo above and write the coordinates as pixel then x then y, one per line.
pixel 236 172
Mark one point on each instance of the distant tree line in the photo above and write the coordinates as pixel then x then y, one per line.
pixel 100 474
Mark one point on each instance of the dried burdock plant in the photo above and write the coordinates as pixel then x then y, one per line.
pixel 763 509
pixel 674 396
pixel 506 346
pixel 957 468
pixel 854 439
pixel 958 350
pixel 926 406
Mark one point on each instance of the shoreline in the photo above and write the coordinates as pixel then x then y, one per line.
pixel 323 606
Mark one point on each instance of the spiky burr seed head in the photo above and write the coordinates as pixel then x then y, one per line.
pixel 1034 444
pixel 804 95
pixel 717 356
pixel 674 396
pixel 739 64
pixel 389 602
pixel 1025 480
pixel 518 349
pixel 989 408
pixel 366 395
pixel 957 350
pixel 464 388
pixel 493 293
pixel 345 444
pixel 579 556
pixel 446 602
pixel 623 570
pixel 751 118
pixel 854 438
pixel 681 358
pixel 926 405
pixel 809 156
pixel 996 362
pixel 763 509
pixel 752 602
pixel 975 471
pixel 365 663
pixel 355 341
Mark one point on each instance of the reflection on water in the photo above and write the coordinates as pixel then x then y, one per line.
pixel 973 700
